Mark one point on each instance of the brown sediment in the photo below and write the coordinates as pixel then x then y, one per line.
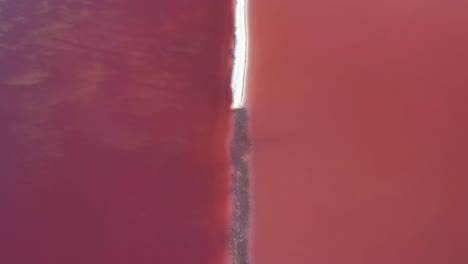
pixel 358 119
pixel 115 123
pixel 240 150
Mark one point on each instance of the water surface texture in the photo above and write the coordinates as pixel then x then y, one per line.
pixel 114 131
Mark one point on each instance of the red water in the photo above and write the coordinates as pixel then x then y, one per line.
pixel 358 115
pixel 115 123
